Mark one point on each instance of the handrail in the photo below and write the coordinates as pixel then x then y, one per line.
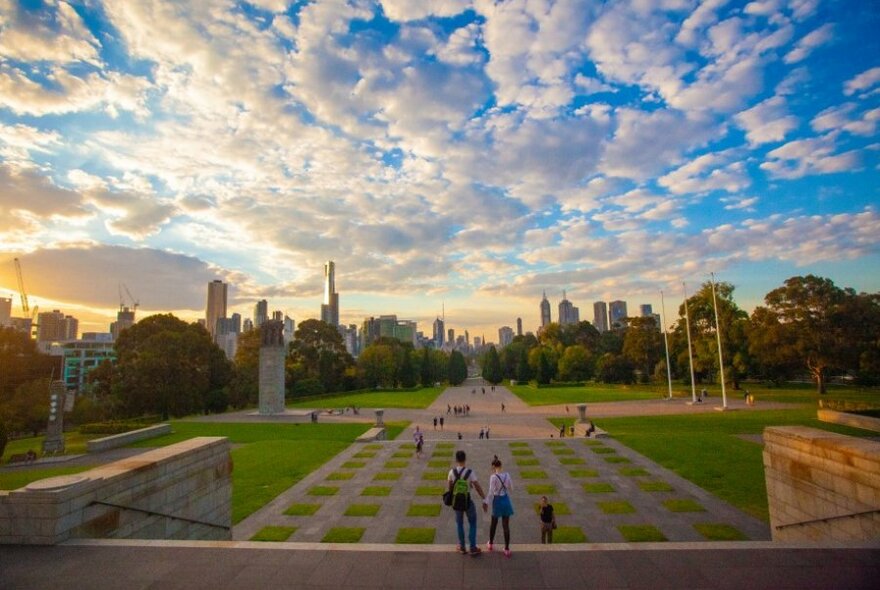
pixel 152 513
pixel 827 518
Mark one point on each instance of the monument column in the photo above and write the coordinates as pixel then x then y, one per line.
pixel 272 355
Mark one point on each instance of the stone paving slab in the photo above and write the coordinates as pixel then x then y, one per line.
pixel 171 565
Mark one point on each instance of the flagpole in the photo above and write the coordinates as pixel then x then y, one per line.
pixel 666 342
pixel 687 324
pixel 720 355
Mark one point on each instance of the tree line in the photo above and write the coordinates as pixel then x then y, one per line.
pixel 807 327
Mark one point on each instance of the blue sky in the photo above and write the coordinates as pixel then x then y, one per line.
pixel 472 152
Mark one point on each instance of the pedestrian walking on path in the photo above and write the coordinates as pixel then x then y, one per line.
pixel 435 423
pixel 461 479
pixel 548 521
pixel 420 443
pixel 500 486
pixel 441 422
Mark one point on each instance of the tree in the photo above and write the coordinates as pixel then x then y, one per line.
pixel 575 364
pixel 544 371
pixel 614 368
pixel 491 366
pixel 457 368
pixel 407 370
pixel 318 352
pixel 811 322
pixel 524 372
pixel 426 369
pixel 642 343
pixel 28 408
pixel 244 389
pixel 20 362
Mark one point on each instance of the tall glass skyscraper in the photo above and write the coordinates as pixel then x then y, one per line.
pixel 330 307
pixel 216 307
pixel 545 311
pixel 600 316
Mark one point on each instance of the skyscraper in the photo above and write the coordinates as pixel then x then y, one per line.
pixel 450 336
pixel 439 333
pixel 54 326
pixel 5 311
pixel 568 313
pixel 261 313
pixel 124 319
pixel 216 307
pixel 505 335
pixel 617 313
pixel 600 316
pixel 330 307
pixel 545 311
pixel 519 326
pixel 645 310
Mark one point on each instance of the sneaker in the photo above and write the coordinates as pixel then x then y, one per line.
pixel 507 553
pixel 489 546
pixel 475 551
pixel 461 550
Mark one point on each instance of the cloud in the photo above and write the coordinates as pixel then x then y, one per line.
pixel 28 197
pixel 815 155
pixel 844 117
pixel 767 121
pixel 707 172
pixel 46 35
pixel 809 42
pixel 864 81
pixel 405 10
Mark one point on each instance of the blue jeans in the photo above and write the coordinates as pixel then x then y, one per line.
pixel 472 524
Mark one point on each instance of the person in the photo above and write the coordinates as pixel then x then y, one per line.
pixel 459 436
pixel 591 428
pixel 435 422
pixel 750 399
pixel 548 521
pixel 420 443
pixel 461 472
pixel 704 393
pixel 571 430
pixel 487 432
pixel 482 433
pixel 484 390
pixel 562 431
pixel 566 409
pixel 416 434
pixel 500 486
pixel 441 422
pixel 502 406
pixel 448 409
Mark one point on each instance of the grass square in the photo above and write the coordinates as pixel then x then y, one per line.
pixel 302 509
pixel 343 534
pixel 407 447
pixel 274 534
pixel 559 508
pixel 373 447
pixel 415 536
pixel 402 454
pixel 683 506
pixel 376 491
pixel 364 455
pixel 430 490
pixel 362 510
pixel 655 486
pixel 569 534
pixel 387 476
pixel 641 533
pixel 445 445
pixel 563 451
pixel 598 488
pixel 591 442
pixel 441 454
pixel 616 460
pixel 340 476
pixel 435 475
pixel 537 474
pixel 553 443
pixel 571 460
pixel 517 444
pixel 396 464
pixel 528 461
pixel 424 510
pixel 616 507
pixel 438 464
pixel 719 532
pixel 603 450
pixel 633 471
pixel 541 489
pixel 354 464
pixel 323 491
pixel 522 452
pixel 583 473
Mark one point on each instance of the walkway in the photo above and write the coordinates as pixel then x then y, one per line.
pixel 192 566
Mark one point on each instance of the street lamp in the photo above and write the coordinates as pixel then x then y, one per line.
pixel 720 354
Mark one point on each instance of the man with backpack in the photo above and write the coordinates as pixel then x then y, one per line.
pixel 461 480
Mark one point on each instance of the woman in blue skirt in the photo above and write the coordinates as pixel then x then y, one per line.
pixel 500 486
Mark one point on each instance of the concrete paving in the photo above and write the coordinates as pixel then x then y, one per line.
pixel 190 566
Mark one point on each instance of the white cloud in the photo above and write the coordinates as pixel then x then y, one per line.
pixel 767 121
pixel 842 117
pixel 704 15
pixel 744 203
pixel 461 49
pixel 45 34
pixel 406 10
pixel 805 46
pixel 864 81
pixel 592 85
pixel 707 172
pixel 815 155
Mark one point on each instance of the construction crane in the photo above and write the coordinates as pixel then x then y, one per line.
pixel 134 302
pixel 25 307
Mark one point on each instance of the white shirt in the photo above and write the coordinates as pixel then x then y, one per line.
pixel 495 487
pixel 471 477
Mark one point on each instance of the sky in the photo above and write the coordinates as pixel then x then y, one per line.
pixel 457 153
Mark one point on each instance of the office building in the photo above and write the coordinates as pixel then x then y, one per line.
pixel 617 314
pixel 519 331
pixel 278 316
pixel 54 326
pixel 216 307
pixel 124 319
pixel 226 334
pixel 5 311
pixel 330 307
pixel 387 326
pixel 600 316
pixel 82 356
pixel 568 313
pixel 439 335
pixel 545 311
pixel 261 313
pixel 247 325
pixel 350 339
pixel 289 329
pixel 505 335
pixel 645 310
pixel 450 336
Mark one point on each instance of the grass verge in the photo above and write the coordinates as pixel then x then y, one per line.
pixel 415 536
pixel 274 534
pixel 641 533
pixel 344 534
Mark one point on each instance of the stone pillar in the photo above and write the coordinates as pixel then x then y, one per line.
pixel 582 412
pixel 272 356
pixel 54 441
pixel 380 417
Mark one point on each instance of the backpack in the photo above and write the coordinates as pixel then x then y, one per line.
pixel 461 494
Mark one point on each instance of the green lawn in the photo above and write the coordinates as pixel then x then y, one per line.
pixel 376 491
pixel 18 478
pixel 704 448
pixel 421 536
pixel 424 509
pixel 720 532
pixel 302 509
pixel 363 510
pixel 343 534
pixel 590 393
pixel 74 444
pixel 569 534
pixel 383 398
pixel 274 534
pixel 641 533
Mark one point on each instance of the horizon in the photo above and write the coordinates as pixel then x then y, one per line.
pixel 450 153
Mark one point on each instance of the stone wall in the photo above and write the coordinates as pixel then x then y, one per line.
pixel 821 485
pixel 187 487
pixel 849 419
pixel 271 385
pixel 126 438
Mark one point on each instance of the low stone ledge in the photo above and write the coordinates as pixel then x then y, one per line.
pixel 372 435
pixel 125 438
pixel 849 419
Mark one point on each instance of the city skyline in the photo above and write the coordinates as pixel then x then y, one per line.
pixel 460 152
